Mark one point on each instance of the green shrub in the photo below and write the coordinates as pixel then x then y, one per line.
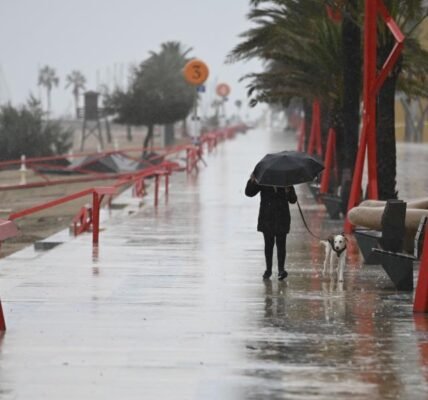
pixel 24 131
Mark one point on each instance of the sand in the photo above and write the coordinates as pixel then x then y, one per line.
pixel 47 222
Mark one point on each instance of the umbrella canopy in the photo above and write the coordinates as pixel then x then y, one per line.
pixel 287 168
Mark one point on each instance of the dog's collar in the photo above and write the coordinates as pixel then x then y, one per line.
pixel 339 252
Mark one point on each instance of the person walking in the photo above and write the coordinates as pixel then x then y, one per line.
pixel 273 221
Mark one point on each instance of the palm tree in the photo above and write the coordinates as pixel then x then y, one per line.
pixel 48 79
pixel 304 54
pixel 164 70
pixel 158 93
pixel 352 79
pixel 77 81
pixel 306 57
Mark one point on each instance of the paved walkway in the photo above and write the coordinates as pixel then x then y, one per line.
pixel 172 305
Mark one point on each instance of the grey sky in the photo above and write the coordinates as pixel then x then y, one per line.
pixel 105 36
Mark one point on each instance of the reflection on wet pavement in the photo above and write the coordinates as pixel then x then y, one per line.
pixel 172 304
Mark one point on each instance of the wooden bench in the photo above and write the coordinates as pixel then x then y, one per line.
pixel 399 266
pixel 391 236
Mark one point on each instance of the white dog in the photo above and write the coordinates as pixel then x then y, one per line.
pixel 335 254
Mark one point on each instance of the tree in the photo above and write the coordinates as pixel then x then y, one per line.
pixel 23 131
pixel 352 86
pixel 408 75
pixel 303 52
pixel 48 79
pixel 158 93
pixel 77 81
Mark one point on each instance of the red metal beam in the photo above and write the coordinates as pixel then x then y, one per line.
pixel 2 321
pixel 49 204
pixel 368 133
pixel 395 52
pixel 372 85
pixel 97 198
pixel 420 304
pixel 162 150
pixel 370 98
pixel 98 193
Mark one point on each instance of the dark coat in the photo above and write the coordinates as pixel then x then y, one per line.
pixel 274 212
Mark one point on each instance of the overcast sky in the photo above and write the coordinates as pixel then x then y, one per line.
pixel 102 37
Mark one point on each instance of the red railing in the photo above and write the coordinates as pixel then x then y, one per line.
pixel 210 139
pixel 87 218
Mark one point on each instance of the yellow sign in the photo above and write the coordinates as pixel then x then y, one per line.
pixel 196 72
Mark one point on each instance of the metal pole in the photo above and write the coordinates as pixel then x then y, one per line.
pixel 420 304
pixel 370 96
pixel 95 217
pixel 2 321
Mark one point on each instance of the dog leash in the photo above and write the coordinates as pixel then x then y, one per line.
pixel 304 222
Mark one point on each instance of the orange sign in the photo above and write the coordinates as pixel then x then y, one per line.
pixel 196 72
pixel 223 90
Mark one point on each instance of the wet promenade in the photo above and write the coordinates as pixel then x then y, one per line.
pixel 172 304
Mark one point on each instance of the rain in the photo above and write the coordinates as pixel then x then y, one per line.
pixel 153 161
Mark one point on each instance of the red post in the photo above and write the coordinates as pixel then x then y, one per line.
pixel 2 321
pixel 370 97
pixel 420 304
pixel 157 177
pixel 95 217
pixel 139 188
pixel 368 134
pixel 328 162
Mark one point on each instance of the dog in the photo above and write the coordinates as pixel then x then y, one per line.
pixel 335 254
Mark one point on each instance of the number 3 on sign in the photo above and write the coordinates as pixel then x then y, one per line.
pixel 196 72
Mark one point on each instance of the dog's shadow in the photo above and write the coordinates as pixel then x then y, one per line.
pixel 334 300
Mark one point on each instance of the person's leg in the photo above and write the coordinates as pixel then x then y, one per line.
pixel 269 243
pixel 281 252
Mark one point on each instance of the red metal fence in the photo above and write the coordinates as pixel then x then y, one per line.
pixel 89 218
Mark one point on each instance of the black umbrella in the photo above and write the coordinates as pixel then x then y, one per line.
pixel 287 168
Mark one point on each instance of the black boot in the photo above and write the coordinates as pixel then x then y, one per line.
pixel 267 274
pixel 282 275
